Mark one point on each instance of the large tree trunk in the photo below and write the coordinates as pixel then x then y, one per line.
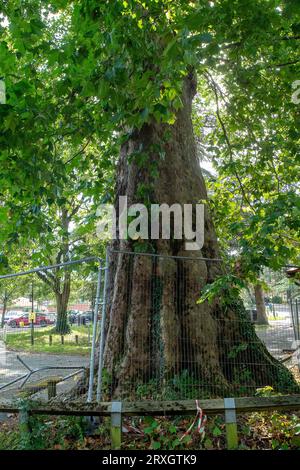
pixel 262 318
pixel 156 330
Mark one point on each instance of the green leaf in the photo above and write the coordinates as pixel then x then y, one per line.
pixel 217 431
pixel 155 445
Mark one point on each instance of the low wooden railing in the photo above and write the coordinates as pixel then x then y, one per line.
pixel 229 406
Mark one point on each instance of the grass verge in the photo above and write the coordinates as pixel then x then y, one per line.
pixel 21 341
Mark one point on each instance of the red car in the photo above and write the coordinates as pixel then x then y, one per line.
pixel 40 319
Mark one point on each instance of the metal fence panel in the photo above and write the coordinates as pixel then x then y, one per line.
pixel 32 354
pixel 163 357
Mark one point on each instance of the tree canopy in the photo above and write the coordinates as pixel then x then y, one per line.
pixel 82 76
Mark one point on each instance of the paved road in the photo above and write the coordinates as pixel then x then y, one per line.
pixel 278 336
pixel 11 368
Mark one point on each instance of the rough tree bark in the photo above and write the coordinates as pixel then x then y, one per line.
pixel 62 284
pixel 213 343
pixel 62 300
pixel 262 318
pixel 5 300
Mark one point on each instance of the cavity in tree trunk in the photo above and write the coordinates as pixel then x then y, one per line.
pixel 153 316
pixel 262 318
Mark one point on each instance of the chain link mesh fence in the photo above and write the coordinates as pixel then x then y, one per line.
pixel 163 344
pixel 159 342
pixel 47 329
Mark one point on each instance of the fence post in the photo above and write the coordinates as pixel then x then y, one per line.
pixel 62 339
pixel 116 425
pixel 24 427
pixel 76 339
pixel 93 348
pixel 50 340
pixel 230 424
pixel 102 332
pixel 51 387
pixel 32 333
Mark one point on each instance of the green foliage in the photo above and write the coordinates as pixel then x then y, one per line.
pixel 276 299
pixel 164 435
pixel 42 436
pixel 253 144
pixel 181 385
pixel 266 392
pixel 285 433
pixel 226 287
pixel 257 431
pixel 84 70
pixel 282 430
pixel 9 440
pixel 235 350
pixel 185 385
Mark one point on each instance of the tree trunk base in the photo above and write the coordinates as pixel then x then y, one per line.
pixel 62 327
pixel 163 344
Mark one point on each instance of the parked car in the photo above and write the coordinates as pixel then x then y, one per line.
pixel 84 318
pixel 40 319
pixel 72 316
pixel 87 317
pixel 51 316
pixel 12 314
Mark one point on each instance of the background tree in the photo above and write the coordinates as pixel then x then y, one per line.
pixel 64 168
pixel 262 318
pixel 66 223
pixel 12 289
pixel 7 292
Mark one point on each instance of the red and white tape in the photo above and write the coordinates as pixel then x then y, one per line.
pixel 202 419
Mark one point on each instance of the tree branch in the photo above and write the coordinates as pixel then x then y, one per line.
pixel 211 81
pixel 46 280
pixel 79 152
